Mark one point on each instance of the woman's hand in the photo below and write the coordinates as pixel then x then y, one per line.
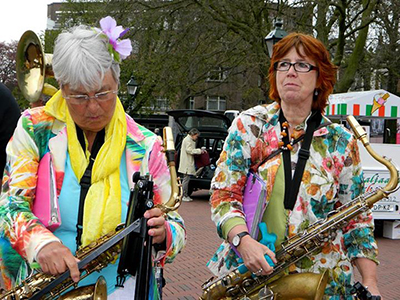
pixel 55 258
pixel 157 223
pixel 252 253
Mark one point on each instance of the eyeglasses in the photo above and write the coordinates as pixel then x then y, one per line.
pixel 83 99
pixel 301 67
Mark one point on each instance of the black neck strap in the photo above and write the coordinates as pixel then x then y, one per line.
pixel 87 177
pixel 292 185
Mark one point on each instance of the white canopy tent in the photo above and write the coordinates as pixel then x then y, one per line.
pixel 379 103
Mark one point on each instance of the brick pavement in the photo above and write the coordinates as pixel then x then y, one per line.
pixel 186 274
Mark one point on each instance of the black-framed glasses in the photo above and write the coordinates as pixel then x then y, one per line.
pixel 301 67
pixel 83 99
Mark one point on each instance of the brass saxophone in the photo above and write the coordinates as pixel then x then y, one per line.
pixel 303 285
pixel 98 291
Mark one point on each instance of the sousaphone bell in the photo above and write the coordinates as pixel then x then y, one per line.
pixel 33 66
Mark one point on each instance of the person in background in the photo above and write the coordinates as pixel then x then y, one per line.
pixel 9 115
pixel 186 160
pixel 301 78
pixel 84 129
pixel 39 102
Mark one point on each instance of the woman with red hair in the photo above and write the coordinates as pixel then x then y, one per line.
pixel 304 183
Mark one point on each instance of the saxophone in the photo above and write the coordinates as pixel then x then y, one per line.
pixel 39 281
pixel 239 285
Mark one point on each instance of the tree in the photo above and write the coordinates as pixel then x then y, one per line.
pixel 8 73
pixel 386 55
pixel 343 26
pixel 358 53
pixel 7 68
pixel 179 43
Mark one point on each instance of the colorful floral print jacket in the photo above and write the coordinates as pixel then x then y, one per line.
pixel 36 133
pixel 332 177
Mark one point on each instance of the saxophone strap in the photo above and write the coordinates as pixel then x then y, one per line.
pixel 292 185
pixel 279 150
pixel 86 179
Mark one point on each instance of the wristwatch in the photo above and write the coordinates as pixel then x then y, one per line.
pixel 237 238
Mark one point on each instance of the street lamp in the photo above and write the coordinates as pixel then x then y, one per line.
pixel 132 87
pixel 275 35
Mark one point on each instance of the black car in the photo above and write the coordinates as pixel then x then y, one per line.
pixel 213 129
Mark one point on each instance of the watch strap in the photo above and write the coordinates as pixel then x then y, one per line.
pixel 242 234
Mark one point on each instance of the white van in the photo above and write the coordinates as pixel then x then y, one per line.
pixel 231 114
pixel 379 113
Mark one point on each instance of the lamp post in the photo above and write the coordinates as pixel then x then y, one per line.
pixel 132 86
pixel 275 35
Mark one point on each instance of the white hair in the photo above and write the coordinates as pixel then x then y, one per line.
pixel 81 58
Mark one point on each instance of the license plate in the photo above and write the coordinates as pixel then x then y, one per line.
pixel 383 207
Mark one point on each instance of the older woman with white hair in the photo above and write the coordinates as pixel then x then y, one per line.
pixel 83 127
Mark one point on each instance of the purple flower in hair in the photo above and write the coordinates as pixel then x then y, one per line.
pixel 119 49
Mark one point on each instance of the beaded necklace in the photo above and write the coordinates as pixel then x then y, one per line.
pixel 284 143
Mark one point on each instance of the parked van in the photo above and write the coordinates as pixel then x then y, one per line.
pixel 231 114
pixel 213 129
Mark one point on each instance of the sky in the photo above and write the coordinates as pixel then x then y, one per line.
pixel 18 16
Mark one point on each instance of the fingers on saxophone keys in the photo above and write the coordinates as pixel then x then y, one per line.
pixel 258 272
pixel 271 255
pixel 268 270
pixel 263 271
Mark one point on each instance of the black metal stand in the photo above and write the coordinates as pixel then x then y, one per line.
pixel 136 257
pixel 363 293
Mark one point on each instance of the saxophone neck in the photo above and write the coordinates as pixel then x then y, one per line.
pixel 174 200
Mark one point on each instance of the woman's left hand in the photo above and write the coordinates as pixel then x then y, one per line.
pixel 156 221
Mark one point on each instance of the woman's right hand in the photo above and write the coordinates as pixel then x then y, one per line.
pixel 55 258
pixel 253 253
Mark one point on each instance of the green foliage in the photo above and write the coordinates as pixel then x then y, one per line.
pixel 22 102
pixel 49 39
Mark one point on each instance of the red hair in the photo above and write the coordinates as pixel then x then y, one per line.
pixel 313 49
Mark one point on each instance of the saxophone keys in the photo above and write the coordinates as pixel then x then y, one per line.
pixel 233 291
pixel 27 290
pixel 265 294
pixel 248 283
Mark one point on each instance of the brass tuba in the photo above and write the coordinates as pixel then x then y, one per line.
pixel 39 281
pixel 236 285
pixel 33 66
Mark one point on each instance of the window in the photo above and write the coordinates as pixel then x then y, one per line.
pixel 162 104
pixel 217 74
pixel 216 103
pixel 191 103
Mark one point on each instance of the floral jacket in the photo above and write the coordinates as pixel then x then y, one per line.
pixel 36 134
pixel 332 177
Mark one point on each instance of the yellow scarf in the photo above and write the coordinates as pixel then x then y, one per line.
pixel 102 212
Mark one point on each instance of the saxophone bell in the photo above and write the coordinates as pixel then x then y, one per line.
pixel 97 291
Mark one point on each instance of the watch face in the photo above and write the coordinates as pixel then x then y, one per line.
pixel 236 241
